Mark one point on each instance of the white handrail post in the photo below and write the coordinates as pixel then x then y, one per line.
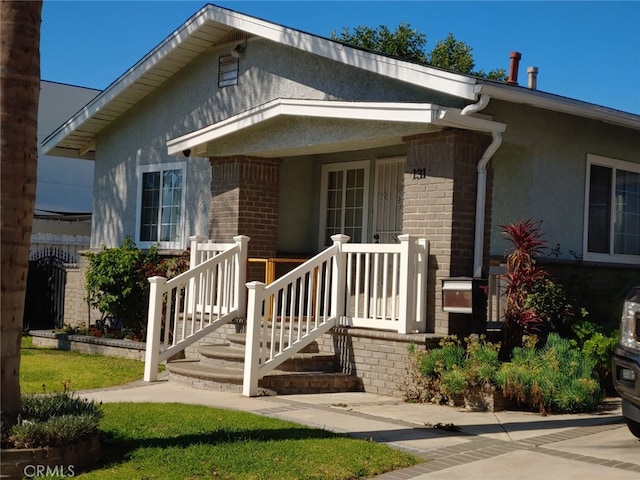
pixel 338 277
pixel 241 274
pixel 195 257
pixel 252 347
pixel 154 324
pixel 422 271
pixel 407 286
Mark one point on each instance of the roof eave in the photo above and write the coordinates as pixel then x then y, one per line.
pixel 548 101
pixel 424 113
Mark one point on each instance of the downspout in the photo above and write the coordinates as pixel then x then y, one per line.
pixel 481 190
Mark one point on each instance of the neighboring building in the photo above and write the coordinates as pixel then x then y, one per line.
pixel 65 185
pixel 62 223
pixel 235 125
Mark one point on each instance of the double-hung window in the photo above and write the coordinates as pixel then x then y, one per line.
pixel 161 205
pixel 612 214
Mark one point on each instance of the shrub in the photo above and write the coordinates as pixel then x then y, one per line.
pixel 550 300
pixel 597 344
pixel 556 378
pixel 117 282
pixel 52 420
pixel 451 369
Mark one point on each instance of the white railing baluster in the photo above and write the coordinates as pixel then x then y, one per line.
pixel 188 299
pixel 367 279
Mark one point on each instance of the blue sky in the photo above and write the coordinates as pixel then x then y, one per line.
pixel 589 51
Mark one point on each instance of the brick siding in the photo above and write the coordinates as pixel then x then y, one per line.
pixel 244 201
pixel 439 204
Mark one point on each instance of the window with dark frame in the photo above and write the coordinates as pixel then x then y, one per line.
pixel 614 211
pixel 161 205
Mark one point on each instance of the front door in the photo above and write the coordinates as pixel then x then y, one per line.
pixel 345 188
pixel 345 205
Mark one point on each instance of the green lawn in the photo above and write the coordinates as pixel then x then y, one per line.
pixel 187 442
pixel 49 370
pixel 175 441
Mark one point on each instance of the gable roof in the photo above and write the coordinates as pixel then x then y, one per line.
pixel 214 25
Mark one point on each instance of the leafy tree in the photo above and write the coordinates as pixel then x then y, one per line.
pixel 456 55
pixel 404 42
pixel 408 43
pixel 20 87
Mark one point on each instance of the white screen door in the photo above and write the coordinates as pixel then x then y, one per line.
pixel 388 200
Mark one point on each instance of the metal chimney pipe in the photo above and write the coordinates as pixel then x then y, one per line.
pixel 533 77
pixel 513 68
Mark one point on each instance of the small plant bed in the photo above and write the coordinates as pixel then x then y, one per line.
pixel 52 420
pixel 55 433
pixel 558 377
pixel 175 441
pixel 50 370
pixel 457 374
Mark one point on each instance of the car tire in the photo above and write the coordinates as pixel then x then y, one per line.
pixel 634 427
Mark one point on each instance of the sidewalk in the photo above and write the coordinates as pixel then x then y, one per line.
pixel 454 443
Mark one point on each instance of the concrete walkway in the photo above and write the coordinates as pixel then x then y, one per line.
pixel 454 443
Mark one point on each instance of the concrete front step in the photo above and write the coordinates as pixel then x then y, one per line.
pixel 194 373
pixel 229 356
pixel 239 340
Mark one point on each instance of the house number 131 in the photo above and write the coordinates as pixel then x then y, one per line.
pixel 419 173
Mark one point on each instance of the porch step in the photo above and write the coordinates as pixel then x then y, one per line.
pixel 221 367
pixel 239 340
pixel 278 382
pixel 232 356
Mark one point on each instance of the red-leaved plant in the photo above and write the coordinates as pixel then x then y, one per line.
pixel 521 276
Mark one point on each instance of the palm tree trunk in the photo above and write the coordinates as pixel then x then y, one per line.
pixel 19 93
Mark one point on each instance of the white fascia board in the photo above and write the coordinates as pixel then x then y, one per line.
pixel 125 80
pixel 450 117
pixel 388 112
pixel 557 103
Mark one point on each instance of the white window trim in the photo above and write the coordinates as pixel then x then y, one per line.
pixel 334 167
pixel 160 167
pixel 615 165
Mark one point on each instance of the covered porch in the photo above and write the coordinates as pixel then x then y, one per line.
pixel 292 173
pixel 374 286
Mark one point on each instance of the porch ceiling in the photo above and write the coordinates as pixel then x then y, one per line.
pixel 287 127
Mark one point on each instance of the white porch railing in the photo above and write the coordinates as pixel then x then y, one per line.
pixel 193 304
pixel 369 285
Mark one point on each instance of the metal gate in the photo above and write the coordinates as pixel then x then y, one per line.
pixel 44 299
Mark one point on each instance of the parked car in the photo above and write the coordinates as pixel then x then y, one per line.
pixel 626 361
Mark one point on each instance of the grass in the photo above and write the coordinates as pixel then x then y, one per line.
pixel 187 442
pixel 175 441
pixel 51 370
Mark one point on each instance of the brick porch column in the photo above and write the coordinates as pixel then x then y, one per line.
pixel 244 201
pixel 439 204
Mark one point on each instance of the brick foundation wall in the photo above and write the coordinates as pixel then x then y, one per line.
pixel 244 201
pixel 439 204
pixel 380 359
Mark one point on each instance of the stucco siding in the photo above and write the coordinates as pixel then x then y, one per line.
pixel 191 100
pixel 540 171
